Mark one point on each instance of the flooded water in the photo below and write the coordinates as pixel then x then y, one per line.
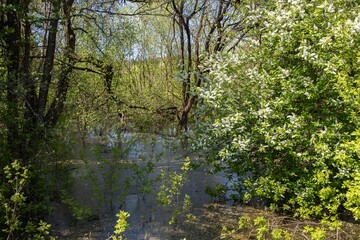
pixel 121 171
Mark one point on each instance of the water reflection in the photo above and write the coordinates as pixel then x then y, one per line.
pixel 120 171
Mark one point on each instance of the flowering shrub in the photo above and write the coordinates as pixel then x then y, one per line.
pixel 282 113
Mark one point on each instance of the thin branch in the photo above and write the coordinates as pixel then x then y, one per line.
pixel 86 69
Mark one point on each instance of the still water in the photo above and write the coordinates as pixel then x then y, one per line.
pixel 121 171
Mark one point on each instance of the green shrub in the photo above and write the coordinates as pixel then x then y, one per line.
pixel 121 225
pixel 18 220
pixel 281 114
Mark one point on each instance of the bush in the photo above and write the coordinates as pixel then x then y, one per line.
pixel 18 221
pixel 282 113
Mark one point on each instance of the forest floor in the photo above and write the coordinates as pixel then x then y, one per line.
pixel 219 221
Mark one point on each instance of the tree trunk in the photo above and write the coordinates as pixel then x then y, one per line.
pixel 57 105
pixel 48 64
pixel 12 41
pixel 29 116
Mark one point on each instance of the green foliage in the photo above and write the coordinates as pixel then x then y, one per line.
pixel 121 225
pixel 16 177
pixel 142 91
pixel 279 234
pixel 217 192
pixel 261 225
pixel 316 233
pixel 106 176
pixel 78 212
pixel 226 233
pixel 39 231
pixel 170 192
pixel 142 176
pixel 17 221
pixel 244 222
pixel 265 226
pixel 282 113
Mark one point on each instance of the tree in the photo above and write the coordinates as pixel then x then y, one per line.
pixel 282 113
pixel 38 55
pixel 198 28
pixel 33 105
pixel 203 28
